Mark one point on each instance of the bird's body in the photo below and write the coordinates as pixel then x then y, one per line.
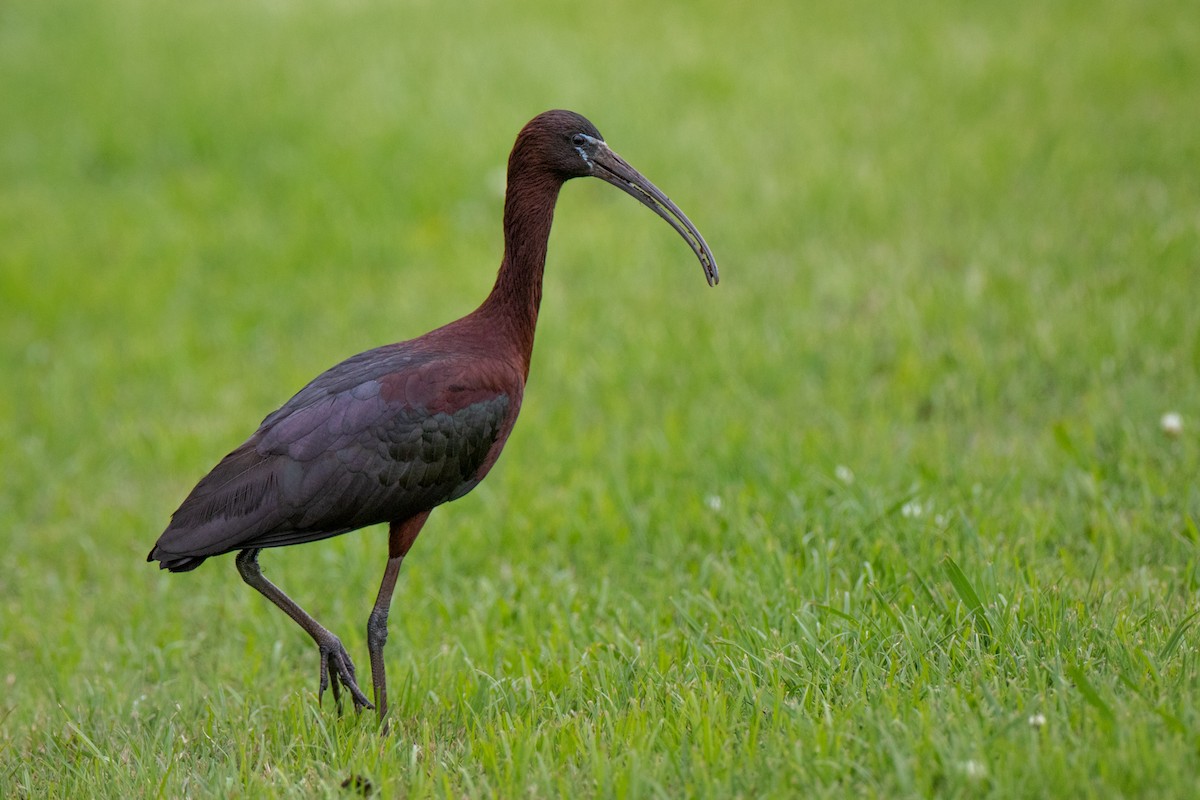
pixel 380 437
pixel 389 434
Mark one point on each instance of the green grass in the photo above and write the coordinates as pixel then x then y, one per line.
pixel 888 513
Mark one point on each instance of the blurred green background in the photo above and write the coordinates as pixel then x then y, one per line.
pixel 888 512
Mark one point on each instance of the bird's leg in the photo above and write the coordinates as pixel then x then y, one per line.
pixel 377 634
pixel 401 536
pixel 334 658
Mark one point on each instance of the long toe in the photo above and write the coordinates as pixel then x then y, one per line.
pixel 335 685
pixel 337 671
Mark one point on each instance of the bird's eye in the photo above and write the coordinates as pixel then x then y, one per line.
pixel 579 140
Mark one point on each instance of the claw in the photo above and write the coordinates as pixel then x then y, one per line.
pixel 324 678
pixel 335 660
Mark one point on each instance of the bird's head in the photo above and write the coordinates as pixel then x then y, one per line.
pixel 566 145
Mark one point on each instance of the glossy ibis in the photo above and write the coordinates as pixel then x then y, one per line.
pixel 389 434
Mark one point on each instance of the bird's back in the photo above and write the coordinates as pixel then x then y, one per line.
pixel 380 437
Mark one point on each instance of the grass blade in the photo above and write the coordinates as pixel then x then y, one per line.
pixel 1177 636
pixel 967 594
pixel 1089 693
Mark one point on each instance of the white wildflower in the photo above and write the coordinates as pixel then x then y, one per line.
pixel 1171 423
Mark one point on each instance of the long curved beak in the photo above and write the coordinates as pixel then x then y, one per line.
pixel 610 167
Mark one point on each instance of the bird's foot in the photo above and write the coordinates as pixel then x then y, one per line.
pixel 336 661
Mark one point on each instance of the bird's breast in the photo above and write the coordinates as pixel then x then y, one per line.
pixel 451 423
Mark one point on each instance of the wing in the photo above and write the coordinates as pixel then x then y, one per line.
pixel 379 437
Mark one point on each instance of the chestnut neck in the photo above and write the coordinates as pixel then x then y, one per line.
pixel 512 307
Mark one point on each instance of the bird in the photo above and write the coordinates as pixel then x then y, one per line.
pixel 387 435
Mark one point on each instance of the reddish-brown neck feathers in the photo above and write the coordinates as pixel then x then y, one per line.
pixel 532 192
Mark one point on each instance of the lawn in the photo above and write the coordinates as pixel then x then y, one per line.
pixel 899 509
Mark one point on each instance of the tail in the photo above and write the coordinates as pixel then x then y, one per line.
pixel 174 563
pixel 226 508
